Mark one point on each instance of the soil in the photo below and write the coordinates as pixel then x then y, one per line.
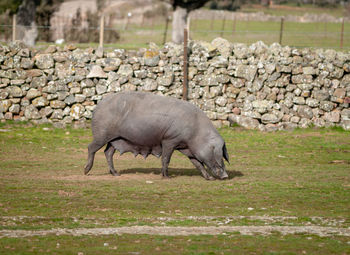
pixel 182 231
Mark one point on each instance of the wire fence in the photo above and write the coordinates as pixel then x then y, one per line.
pixel 135 35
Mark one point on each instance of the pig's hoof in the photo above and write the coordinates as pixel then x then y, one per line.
pixel 114 173
pixel 165 177
pixel 86 171
pixel 210 178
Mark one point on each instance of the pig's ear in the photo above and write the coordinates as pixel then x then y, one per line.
pixel 225 154
pixel 218 155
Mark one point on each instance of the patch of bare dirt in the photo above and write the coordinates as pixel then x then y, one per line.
pixel 182 231
pixel 109 177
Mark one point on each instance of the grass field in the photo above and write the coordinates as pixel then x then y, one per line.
pixel 298 178
pixel 323 35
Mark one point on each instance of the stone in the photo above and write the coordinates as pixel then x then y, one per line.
pixel 243 121
pixel 77 111
pixel 3 95
pixel 236 111
pixel 79 98
pixel 339 93
pixel 99 52
pixel 96 72
pixel 33 93
pixel 209 80
pixel 140 74
pixel 51 49
pixel 219 62
pixel 61 95
pixel 262 106
pixel 269 118
pixel 27 63
pixel 241 51
pixel 312 102
pixel 251 114
pixel 151 57
pixel 57 114
pixel 8 116
pixel 87 83
pixel 333 116
pixel 46 111
pixel 321 95
pixel 309 70
pixel 299 100
pixel 247 72
pixel 5 105
pixel 15 91
pixel 345 114
pixel 31 112
pixel 326 106
pixel 223 46
pixel 40 102
pixel 222 78
pixel 302 78
pixel 56 104
pixel 221 101
pixel 126 70
pixel 44 61
pixel 38 82
pixel 149 85
pixel 34 73
pixel 166 80
pixel 305 112
pixel 89 92
pixel 70 99
pixel 295 119
pixel 101 89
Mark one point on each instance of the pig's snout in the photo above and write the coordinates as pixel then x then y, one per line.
pixel 223 176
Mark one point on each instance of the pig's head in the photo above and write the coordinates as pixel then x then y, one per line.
pixel 213 156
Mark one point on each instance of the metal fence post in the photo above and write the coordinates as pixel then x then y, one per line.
pixel 281 30
pixel 14 25
pixel 185 67
pixel 166 29
pixel 342 34
pixel 102 28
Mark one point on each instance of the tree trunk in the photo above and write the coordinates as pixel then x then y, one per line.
pixel 179 23
pixel 26 28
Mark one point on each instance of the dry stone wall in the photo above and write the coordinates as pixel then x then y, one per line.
pixel 257 86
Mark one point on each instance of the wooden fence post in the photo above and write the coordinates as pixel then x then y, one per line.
pixel 185 67
pixel 102 28
pixel 14 25
pixel 342 34
pixel 281 30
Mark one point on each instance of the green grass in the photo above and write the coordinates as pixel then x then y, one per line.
pixel 291 8
pixel 295 34
pixel 303 173
pixel 143 244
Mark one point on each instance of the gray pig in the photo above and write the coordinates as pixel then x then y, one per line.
pixel 144 123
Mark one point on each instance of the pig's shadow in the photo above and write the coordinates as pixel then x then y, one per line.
pixel 174 172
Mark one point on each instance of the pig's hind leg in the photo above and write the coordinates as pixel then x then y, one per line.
pixel 109 152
